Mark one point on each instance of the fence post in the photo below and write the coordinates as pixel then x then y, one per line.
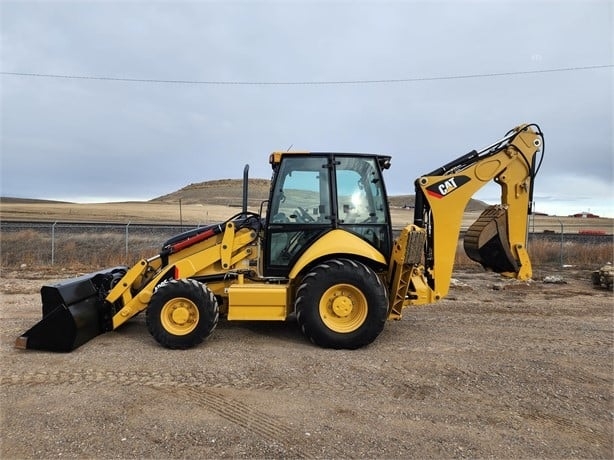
pixel 53 243
pixel 127 225
pixel 530 220
pixel 561 250
pixel 180 216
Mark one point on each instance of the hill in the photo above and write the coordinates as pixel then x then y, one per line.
pixel 13 200
pixel 229 192
pixel 225 192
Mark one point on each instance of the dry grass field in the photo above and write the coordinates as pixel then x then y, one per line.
pixel 135 212
pixel 223 201
pixel 217 200
pixel 213 202
pixel 160 212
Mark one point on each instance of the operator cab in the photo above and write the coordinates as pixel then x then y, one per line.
pixel 314 193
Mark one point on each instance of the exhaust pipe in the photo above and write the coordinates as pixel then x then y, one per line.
pixel 74 312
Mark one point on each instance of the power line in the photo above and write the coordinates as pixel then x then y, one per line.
pixel 306 83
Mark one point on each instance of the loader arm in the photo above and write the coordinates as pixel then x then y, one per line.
pixel 78 310
pixel 423 256
pixel 216 254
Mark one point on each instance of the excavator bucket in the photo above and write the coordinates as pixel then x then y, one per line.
pixel 74 311
pixel 487 241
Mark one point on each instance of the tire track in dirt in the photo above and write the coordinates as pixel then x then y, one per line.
pixel 153 379
pixel 201 388
pixel 569 426
pixel 246 417
pixel 252 381
pixel 202 380
pixel 453 380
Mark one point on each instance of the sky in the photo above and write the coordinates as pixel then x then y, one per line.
pixel 190 91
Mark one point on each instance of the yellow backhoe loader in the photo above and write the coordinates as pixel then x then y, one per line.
pixel 320 250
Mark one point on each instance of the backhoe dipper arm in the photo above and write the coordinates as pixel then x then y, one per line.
pixel 497 239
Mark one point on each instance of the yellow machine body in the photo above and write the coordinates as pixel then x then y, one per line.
pixel 325 253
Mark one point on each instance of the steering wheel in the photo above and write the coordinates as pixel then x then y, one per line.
pixel 303 216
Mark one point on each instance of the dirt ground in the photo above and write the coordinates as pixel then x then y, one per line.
pixel 499 369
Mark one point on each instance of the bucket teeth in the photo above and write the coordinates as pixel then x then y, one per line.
pixel 21 342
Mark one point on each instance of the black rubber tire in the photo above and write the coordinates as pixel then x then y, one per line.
pixel 196 317
pixel 358 287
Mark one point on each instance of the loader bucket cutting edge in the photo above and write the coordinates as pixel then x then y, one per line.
pixel 74 312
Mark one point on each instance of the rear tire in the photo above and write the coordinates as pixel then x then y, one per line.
pixel 341 303
pixel 182 313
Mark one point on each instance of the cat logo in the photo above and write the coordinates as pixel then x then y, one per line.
pixel 446 186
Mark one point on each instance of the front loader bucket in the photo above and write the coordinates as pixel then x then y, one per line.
pixel 74 311
pixel 487 241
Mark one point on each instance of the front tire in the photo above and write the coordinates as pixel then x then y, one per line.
pixel 341 303
pixel 182 313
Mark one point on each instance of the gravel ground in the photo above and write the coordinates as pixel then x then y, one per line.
pixel 499 369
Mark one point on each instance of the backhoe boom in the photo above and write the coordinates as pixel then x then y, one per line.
pixel 497 240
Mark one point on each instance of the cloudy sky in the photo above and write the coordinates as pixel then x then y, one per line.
pixel 166 114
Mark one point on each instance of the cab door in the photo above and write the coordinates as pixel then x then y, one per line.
pixel 300 210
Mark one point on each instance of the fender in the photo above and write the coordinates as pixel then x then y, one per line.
pixel 337 242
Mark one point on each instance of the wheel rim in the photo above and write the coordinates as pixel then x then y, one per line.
pixel 179 316
pixel 343 308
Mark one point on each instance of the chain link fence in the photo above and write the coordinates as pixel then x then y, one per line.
pixel 53 243
pixel 104 244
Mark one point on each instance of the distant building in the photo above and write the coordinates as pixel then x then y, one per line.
pixel 585 215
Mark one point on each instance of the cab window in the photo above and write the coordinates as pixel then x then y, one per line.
pixel 361 200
